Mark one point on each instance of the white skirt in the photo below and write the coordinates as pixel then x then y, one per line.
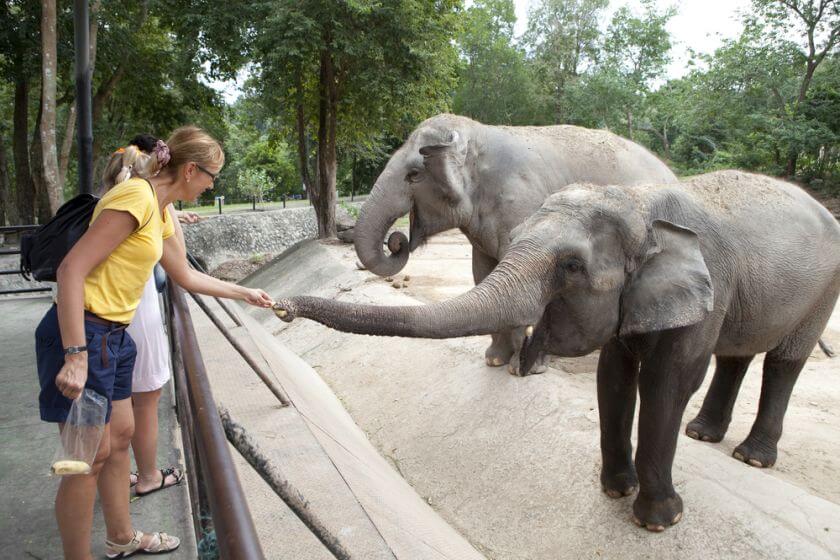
pixel 151 368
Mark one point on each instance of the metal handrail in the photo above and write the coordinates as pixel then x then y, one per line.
pixel 235 532
pixel 17 229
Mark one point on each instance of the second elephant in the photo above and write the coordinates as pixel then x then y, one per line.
pixel 454 172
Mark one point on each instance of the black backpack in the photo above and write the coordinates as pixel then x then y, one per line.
pixel 42 250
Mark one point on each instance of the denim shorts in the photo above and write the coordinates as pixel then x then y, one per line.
pixel 111 354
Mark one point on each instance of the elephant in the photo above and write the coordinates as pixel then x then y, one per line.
pixel 454 172
pixel 661 278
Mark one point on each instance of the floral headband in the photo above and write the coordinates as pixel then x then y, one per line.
pixel 161 150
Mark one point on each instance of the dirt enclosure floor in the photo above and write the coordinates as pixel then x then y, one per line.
pixel 513 463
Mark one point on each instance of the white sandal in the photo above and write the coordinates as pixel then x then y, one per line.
pixel 161 544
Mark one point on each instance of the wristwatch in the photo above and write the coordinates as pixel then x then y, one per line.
pixel 70 350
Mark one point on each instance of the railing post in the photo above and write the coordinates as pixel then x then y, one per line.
pixel 81 42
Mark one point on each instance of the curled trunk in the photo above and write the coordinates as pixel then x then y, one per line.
pixel 383 207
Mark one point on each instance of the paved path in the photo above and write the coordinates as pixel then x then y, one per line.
pixel 27 524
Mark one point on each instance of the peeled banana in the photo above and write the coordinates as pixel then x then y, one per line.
pixel 70 467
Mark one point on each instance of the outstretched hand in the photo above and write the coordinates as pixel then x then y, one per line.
pixel 258 298
pixel 186 217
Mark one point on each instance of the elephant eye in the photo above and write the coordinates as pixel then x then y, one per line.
pixel 573 265
pixel 413 177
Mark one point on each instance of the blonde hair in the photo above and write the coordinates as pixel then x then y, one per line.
pixel 192 144
pixel 128 162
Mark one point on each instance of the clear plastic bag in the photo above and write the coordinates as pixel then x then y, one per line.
pixel 81 434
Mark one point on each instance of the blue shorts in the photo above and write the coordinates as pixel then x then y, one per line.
pixel 111 354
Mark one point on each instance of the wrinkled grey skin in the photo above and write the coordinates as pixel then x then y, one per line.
pixel 486 180
pixel 661 278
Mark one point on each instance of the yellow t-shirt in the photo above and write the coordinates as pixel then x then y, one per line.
pixel 113 289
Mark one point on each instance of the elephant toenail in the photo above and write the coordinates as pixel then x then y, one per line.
pixel 755 463
pixel 692 434
pixel 677 518
pixel 738 456
pixel 705 438
pixel 655 528
pixel 637 522
pixel 613 493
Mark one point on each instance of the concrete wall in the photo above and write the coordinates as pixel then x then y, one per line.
pixel 242 235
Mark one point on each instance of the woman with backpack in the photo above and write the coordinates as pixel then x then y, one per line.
pixel 81 342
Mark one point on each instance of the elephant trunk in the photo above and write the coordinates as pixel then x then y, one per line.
pixel 384 206
pixel 504 300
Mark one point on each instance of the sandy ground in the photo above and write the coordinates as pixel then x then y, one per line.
pixel 513 463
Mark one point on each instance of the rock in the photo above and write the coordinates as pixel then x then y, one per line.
pixel 406 278
pixel 389 279
pixel 397 285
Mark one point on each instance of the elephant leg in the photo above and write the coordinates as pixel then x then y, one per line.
pixel 713 419
pixel 665 385
pixel 780 375
pixel 500 350
pixel 781 370
pixel 618 373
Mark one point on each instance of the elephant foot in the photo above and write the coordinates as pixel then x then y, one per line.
pixel 657 515
pixel 619 484
pixel 705 430
pixel 756 453
pixel 515 369
pixel 498 355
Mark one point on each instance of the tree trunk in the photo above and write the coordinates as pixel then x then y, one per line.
pixel 790 168
pixel 49 67
pixel 630 124
pixel 67 145
pixel 327 159
pixel 25 191
pixel 36 162
pixel 5 190
pixel 303 145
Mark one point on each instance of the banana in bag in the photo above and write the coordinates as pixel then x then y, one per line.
pixel 81 435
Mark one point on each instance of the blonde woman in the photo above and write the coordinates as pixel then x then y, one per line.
pixel 151 366
pixel 81 342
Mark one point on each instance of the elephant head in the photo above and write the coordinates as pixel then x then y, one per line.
pixel 427 178
pixel 589 265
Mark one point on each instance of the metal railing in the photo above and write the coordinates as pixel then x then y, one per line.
pixel 17 230
pixel 216 487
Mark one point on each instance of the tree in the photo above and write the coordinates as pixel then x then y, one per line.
pixel 633 55
pixel 563 37
pixel 496 83
pixel 18 44
pixel 46 128
pixel 372 68
pixel 818 23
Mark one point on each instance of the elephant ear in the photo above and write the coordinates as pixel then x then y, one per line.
pixel 444 160
pixel 671 288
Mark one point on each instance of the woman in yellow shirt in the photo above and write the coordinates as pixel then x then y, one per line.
pixel 81 342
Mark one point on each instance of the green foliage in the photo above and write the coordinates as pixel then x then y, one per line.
pixel 350 209
pixel 768 100
pixel 252 146
pixel 497 85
